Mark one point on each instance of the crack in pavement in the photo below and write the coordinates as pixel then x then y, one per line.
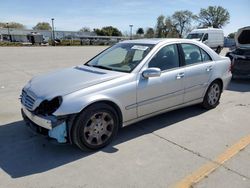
pixel 202 156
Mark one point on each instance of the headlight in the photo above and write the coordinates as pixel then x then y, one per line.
pixel 48 107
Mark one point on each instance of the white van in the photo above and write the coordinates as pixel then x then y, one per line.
pixel 212 37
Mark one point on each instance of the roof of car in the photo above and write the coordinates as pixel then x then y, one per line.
pixel 156 40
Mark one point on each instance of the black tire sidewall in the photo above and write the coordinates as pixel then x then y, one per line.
pixel 81 121
pixel 218 50
pixel 205 103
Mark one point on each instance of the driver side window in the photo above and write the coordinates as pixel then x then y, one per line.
pixel 166 58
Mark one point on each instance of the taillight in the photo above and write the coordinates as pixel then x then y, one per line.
pixel 231 66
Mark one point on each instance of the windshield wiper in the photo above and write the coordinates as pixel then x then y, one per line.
pixel 102 67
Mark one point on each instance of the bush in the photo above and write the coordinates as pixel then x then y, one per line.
pixel 7 43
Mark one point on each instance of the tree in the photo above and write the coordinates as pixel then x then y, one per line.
pixel 170 28
pixel 140 31
pixel 85 29
pixel 42 26
pixel 108 31
pixel 214 16
pixel 160 27
pixel 231 35
pixel 182 20
pixel 12 25
pixel 150 33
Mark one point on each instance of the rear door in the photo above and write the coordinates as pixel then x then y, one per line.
pixel 198 70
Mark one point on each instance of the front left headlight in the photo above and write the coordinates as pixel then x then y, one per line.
pixel 49 107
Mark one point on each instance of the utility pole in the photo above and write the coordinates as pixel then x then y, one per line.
pixel 9 32
pixel 131 31
pixel 53 32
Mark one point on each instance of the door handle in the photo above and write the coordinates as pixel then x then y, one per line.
pixel 180 75
pixel 209 68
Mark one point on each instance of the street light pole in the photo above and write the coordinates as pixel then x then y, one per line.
pixel 131 31
pixel 9 32
pixel 53 32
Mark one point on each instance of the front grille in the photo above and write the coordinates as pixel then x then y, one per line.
pixel 28 100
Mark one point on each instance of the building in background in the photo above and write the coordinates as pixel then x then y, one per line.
pixel 43 36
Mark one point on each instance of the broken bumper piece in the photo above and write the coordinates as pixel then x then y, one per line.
pixel 49 126
pixel 41 121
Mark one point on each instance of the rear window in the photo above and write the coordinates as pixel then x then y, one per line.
pixel 244 37
pixel 194 54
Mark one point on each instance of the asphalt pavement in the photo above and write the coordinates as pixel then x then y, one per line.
pixel 207 148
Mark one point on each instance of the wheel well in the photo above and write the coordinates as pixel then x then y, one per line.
pixel 72 118
pixel 220 82
pixel 114 106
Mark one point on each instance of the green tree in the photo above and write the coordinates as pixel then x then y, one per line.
pixel 140 31
pixel 160 27
pixel 42 26
pixel 214 16
pixel 108 31
pixel 85 29
pixel 150 33
pixel 231 35
pixel 12 25
pixel 170 28
pixel 182 20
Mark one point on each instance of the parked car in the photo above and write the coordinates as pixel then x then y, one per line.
pixel 212 37
pixel 130 81
pixel 240 56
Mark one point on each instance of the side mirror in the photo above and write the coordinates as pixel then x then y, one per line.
pixel 151 72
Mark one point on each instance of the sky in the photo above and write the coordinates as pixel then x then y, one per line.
pixel 74 14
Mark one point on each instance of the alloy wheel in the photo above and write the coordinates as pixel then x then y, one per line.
pixel 214 94
pixel 99 128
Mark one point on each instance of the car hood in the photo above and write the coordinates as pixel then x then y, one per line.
pixel 68 80
pixel 242 37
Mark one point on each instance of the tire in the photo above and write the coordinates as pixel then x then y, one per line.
pixel 212 96
pixel 218 50
pixel 95 127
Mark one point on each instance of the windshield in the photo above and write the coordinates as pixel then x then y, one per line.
pixel 195 36
pixel 123 57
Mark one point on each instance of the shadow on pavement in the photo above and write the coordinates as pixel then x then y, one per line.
pixel 22 153
pixel 239 85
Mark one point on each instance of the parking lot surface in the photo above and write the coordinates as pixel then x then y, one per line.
pixel 190 147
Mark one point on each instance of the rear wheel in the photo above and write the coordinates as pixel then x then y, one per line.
pixel 212 97
pixel 218 50
pixel 95 127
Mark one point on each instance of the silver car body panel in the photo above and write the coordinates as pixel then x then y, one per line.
pixel 137 97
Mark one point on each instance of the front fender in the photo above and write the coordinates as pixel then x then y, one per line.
pixel 72 104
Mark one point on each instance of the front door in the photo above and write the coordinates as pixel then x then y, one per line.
pixel 158 93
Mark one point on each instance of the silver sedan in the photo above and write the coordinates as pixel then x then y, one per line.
pixel 130 81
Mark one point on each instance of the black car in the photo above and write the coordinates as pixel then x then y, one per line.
pixel 240 57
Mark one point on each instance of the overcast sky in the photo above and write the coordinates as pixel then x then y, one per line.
pixel 74 14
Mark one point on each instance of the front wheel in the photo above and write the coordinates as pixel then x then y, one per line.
pixel 95 127
pixel 212 97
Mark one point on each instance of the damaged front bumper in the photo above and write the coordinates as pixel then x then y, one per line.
pixel 49 125
pixel 44 122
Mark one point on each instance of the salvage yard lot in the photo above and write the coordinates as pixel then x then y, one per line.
pixel 157 152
